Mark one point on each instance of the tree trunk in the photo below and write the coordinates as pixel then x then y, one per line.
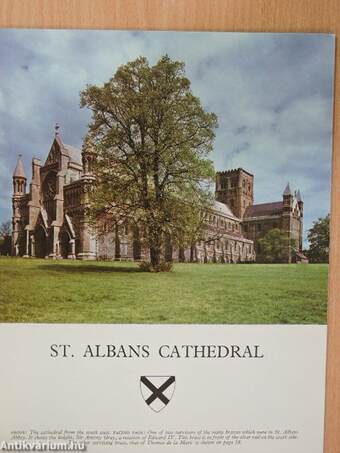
pixel 181 255
pixel 155 255
pixel 155 248
pixel 192 253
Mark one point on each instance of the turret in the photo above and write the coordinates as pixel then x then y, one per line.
pixel 19 190
pixel 34 198
pixel 19 178
pixel 88 157
pixel 87 238
pixel 287 219
pixel 287 198
pixel 299 201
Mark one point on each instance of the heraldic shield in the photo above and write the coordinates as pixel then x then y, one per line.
pixel 157 391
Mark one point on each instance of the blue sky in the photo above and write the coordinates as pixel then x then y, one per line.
pixel 272 93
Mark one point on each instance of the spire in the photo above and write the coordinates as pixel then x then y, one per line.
pixel 19 171
pixel 287 190
pixel 298 196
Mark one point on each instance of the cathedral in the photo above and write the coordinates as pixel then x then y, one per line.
pixel 49 219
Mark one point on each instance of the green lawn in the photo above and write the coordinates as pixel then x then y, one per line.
pixel 34 290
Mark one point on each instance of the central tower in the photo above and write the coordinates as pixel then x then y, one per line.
pixel 235 188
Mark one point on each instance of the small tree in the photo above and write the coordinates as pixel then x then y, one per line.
pixel 318 237
pixel 274 246
pixel 150 138
pixel 200 229
pixel 5 238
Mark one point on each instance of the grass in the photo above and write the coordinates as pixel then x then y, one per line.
pixel 34 290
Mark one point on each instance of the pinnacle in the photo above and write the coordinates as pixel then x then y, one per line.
pixel 19 171
pixel 287 190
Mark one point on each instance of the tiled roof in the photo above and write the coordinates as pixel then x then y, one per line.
pixel 264 209
pixel 222 208
pixel 73 152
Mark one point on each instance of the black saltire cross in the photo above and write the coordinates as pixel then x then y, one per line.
pixel 157 392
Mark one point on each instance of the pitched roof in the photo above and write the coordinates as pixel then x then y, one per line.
pixel 222 208
pixel 19 169
pixel 73 152
pixel 264 209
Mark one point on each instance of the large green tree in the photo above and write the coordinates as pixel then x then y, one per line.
pixel 150 139
pixel 318 237
pixel 274 246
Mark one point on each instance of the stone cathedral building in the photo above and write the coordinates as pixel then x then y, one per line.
pixel 49 218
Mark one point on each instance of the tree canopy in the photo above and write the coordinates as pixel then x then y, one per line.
pixel 274 246
pixel 5 238
pixel 150 140
pixel 318 237
pixel 5 229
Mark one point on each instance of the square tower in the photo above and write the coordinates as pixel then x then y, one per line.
pixel 235 188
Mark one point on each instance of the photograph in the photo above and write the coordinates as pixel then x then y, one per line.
pixel 168 226
pixel 166 177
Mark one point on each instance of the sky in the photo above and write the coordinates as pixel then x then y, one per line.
pixel 272 93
